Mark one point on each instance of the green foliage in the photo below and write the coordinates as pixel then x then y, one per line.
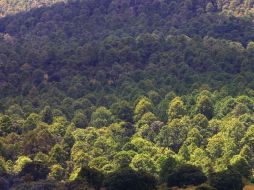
pixel 220 146
pixel 37 170
pixel 168 166
pixel 47 115
pixel 143 106
pixel 143 163
pixel 11 7
pixel 59 126
pixel 41 157
pixel 38 140
pixel 99 162
pixel 112 84
pixel 3 167
pixel 199 157
pixel 225 180
pixel 241 165
pixel 186 175
pixel 21 163
pixel 6 125
pixel 80 120
pixel 127 179
pixel 102 117
pixel 174 134
pixel 205 106
pixel 92 176
pixel 123 111
pixel 31 122
pixel 57 155
pixel 124 158
pixel 176 109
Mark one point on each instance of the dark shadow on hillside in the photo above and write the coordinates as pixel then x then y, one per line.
pixel 92 20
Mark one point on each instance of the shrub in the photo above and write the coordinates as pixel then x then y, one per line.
pixel 127 179
pixel 167 168
pixel 225 180
pixel 186 175
pixel 92 176
pixel 35 169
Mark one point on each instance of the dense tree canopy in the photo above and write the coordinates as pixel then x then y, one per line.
pixel 126 94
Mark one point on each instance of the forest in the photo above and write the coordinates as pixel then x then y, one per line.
pixel 126 94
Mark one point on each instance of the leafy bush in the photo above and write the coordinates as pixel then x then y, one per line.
pixel 226 180
pixel 186 175
pixel 92 176
pixel 127 179
pixel 37 170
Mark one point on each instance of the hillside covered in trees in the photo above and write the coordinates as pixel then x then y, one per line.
pixel 126 94
pixel 8 7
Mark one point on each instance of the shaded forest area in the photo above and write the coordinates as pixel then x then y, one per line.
pixel 135 95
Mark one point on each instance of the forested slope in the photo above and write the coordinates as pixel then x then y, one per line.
pixel 8 7
pixel 126 94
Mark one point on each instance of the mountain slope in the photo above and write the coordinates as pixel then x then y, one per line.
pixel 159 92
pixel 8 7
